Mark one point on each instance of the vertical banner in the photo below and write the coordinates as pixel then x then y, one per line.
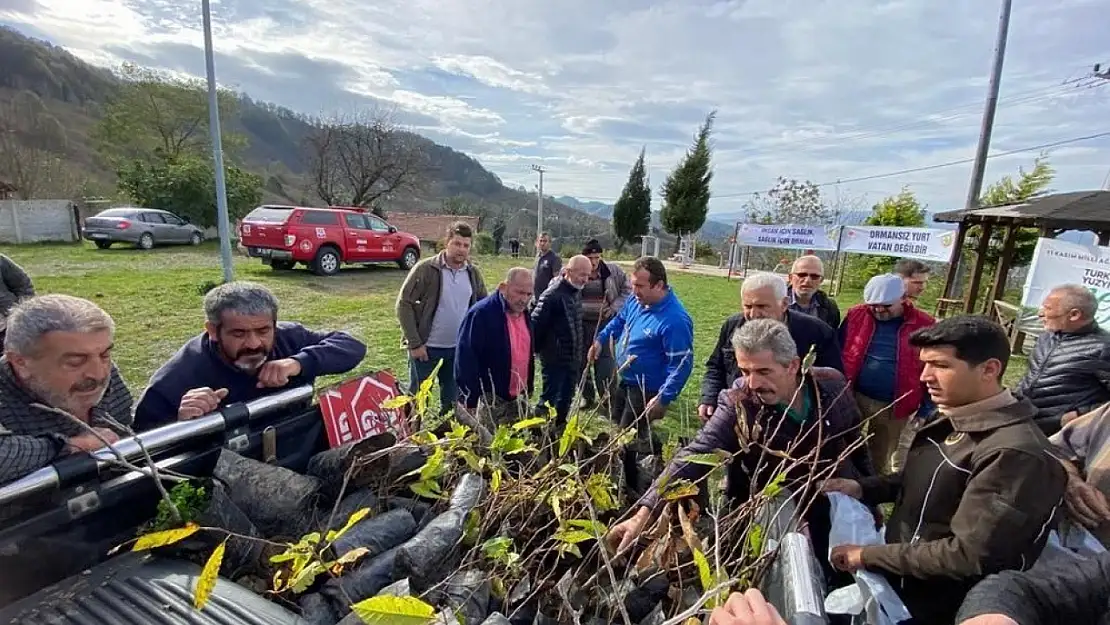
pixel 791 237
pixel 932 244
pixel 1056 263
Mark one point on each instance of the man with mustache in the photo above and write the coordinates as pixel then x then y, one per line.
pixel 800 414
pixel 57 370
pixel 243 353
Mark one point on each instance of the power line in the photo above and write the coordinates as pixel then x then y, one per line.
pixel 963 161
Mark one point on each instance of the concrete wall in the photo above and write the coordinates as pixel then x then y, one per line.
pixel 34 221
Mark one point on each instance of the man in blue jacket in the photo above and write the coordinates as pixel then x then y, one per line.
pixel 243 354
pixel 493 359
pixel 654 352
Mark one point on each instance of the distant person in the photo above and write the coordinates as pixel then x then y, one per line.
pixel 244 353
pixel 654 337
pixel 430 307
pixel 514 247
pixel 763 296
pixel 493 364
pixel 602 298
pixel 57 361
pixel 548 264
pixel 980 489
pixel 15 285
pixel 915 276
pixel 805 294
pixel 882 364
pixel 1069 371
pixel 557 327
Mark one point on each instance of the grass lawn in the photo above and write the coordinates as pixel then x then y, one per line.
pixel 155 297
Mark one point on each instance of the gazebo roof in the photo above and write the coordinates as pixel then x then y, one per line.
pixel 1075 210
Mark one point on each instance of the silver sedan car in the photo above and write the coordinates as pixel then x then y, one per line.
pixel 142 227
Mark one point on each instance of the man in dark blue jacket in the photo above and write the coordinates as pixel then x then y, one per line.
pixel 493 358
pixel 243 354
pixel 557 335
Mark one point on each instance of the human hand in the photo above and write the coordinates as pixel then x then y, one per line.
pixel 420 353
pixel 89 441
pixel 705 411
pixel 655 409
pixel 1068 417
pixel 746 608
pixel 594 351
pixel 623 535
pixel 276 373
pixel 199 402
pixel 1086 503
pixel 847 558
pixel 848 487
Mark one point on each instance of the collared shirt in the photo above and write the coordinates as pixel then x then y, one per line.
pixel 994 402
pixel 796 305
pixel 520 353
pixel 454 300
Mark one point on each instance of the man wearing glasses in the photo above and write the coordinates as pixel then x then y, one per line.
pixel 805 292
pixel 881 366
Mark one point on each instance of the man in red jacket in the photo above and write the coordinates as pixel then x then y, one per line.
pixel 882 367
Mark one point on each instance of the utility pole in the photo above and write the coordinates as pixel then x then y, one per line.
pixel 222 222
pixel 539 200
pixel 979 168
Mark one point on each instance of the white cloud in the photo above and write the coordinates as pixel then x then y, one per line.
pixel 803 89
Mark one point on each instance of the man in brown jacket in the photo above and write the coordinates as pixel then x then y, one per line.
pixel 979 489
pixel 430 308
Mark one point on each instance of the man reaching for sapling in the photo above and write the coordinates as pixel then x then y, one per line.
pixel 243 354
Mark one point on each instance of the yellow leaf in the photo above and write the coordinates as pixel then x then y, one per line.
pixel 495 480
pixel 303 579
pixel 165 537
pixel 353 555
pixel 529 423
pixel 704 572
pixel 394 403
pixel 355 517
pixel 392 610
pixel 279 581
pixel 208 576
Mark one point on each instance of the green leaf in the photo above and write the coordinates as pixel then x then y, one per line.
pixel 774 487
pixel 600 489
pixel 391 610
pixel 679 489
pixel 573 536
pixel 755 540
pixel 306 576
pixel 596 528
pixel 705 573
pixel 355 517
pixel 472 527
pixel 529 423
pixel 495 480
pixel 429 490
pixel 709 460
pixel 472 460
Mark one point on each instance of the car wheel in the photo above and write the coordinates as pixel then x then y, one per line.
pixel 146 241
pixel 103 244
pixel 327 262
pixel 409 258
pixel 196 239
pixel 281 265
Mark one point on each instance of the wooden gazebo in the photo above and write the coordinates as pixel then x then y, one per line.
pixel 1050 214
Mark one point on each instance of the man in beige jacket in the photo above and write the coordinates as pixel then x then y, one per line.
pixel 430 308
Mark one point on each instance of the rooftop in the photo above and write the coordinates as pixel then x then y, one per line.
pixel 1075 210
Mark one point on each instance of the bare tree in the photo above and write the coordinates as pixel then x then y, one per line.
pixel 359 160
pixel 32 142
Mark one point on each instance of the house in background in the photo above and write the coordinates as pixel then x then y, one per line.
pixel 427 227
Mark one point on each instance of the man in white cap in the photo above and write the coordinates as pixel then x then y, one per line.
pixel 881 366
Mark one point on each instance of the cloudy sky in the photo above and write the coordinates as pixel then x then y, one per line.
pixel 813 89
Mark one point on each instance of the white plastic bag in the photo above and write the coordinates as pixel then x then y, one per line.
pixel 853 524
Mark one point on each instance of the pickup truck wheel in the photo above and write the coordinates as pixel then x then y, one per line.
pixel 103 245
pixel 146 241
pixel 327 261
pixel 409 258
pixel 281 265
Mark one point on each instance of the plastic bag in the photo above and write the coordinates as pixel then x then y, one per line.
pixel 427 557
pixel 853 524
pixel 467 593
pixel 280 502
pixel 316 610
pixel 365 581
pixel 496 619
pixel 378 534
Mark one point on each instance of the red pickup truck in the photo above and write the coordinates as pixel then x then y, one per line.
pixel 324 238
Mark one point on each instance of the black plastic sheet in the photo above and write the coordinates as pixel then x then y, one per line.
pixel 429 556
pixel 421 510
pixel 378 533
pixel 280 502
pixel 365 581
pixel 317 610
pixel 467 593
pixel 497 619
pixel 352 503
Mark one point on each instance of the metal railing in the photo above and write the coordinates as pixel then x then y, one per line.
pixel 154 441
